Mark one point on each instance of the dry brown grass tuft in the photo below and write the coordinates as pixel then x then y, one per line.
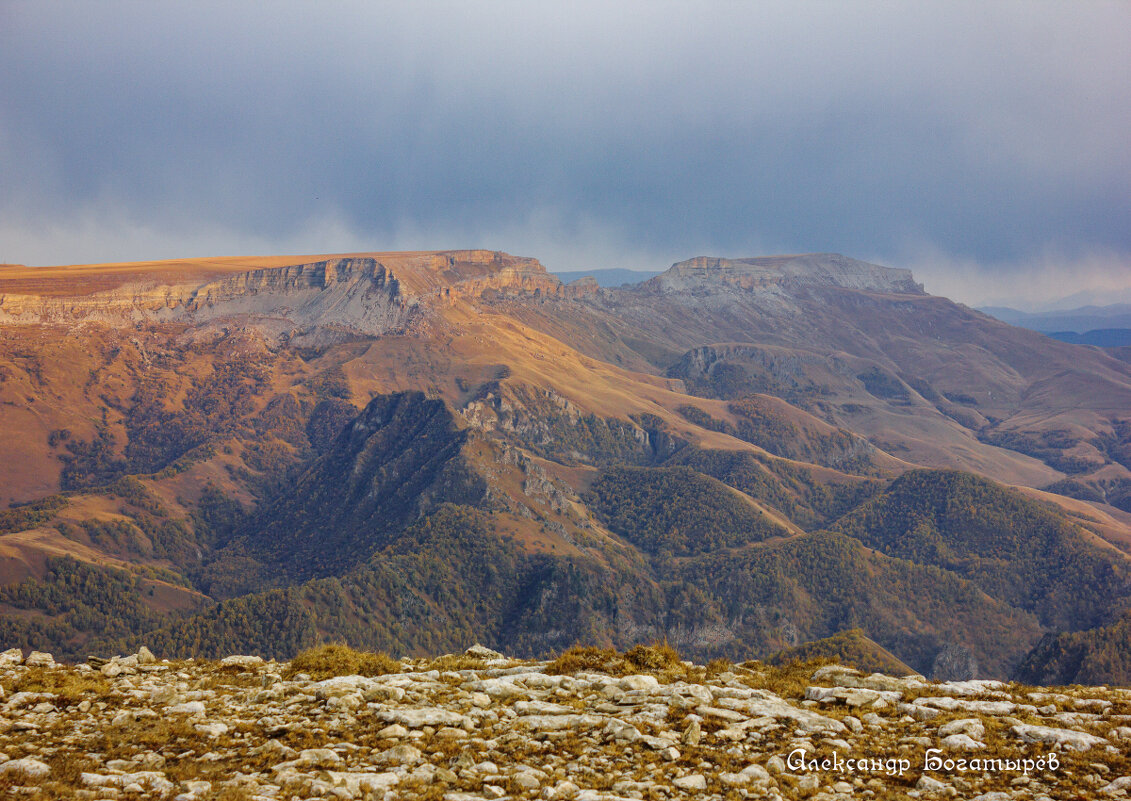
pixel 68 686
pixel 455 662
pixel 334 659
pixel 586 658
pixel 718 666
pixel 788 681
pixel 224 679
pixel 659 659
pixel 652 658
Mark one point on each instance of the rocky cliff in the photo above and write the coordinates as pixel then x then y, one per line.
pixel 783 272
pixel 375 294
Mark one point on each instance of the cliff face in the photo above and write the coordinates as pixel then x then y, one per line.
pixel 373 295
pixel 359 294
pixel 382 293
pixel 770 273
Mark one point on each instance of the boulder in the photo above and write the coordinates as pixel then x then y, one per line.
pixel 40 659
pixel 25 768
pixel 1063 738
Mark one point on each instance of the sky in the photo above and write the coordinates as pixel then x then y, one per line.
pixel 983 144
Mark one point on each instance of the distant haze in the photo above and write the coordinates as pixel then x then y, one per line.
pixel 982 145
pixel 608 277
pixel 1081 320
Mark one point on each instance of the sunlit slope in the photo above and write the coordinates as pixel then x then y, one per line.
pixel 291 449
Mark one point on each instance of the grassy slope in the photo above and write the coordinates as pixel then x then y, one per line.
pixel 848 648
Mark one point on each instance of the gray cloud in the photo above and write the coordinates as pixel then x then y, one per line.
pixel 936 135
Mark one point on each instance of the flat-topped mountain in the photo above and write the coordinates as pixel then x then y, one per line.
pixel 408 450
pixel 791 271
pixel 371 293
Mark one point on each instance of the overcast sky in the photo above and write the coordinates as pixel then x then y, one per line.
pixel 984 145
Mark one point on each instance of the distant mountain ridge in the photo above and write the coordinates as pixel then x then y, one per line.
pixel 1080 320
pixel 1100 337
pixel 830 269
pixel 409 451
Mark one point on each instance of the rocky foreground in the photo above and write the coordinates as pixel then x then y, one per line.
pixel 480 725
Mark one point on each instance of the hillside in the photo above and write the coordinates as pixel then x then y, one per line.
pixel 849 648
pixel 676 511
pixel 398 459
pixel 1013 548
pixel 1082 657
pixel 411 451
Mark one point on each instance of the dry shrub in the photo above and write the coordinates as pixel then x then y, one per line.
pixel 652 658
pixel 334 659
pixel 586 658
pixel 717 667
pixel 659 659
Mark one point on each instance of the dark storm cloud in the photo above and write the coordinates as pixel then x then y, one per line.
pixel 956 136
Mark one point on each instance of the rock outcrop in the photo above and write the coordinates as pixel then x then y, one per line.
pixel 481 726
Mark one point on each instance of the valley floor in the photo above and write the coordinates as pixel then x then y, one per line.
pixel 589 725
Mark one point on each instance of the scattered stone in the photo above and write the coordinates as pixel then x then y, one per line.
pixel 1064 738
pixel 393 732
pixel 40 659
pixel 507 728
pixel 696 781
pixel 930 785
pixel 26 768
pixel 211 729
pixel 639 682
pixel 482 652
pixel 692 734
pixel 969 726
pixel 152 782
pixel 145 656
pixel 1121 786
pixel 190 708
pixel 399 755
pixel 242 661
pixel 950 704
pixel 426 716
pixel 961 742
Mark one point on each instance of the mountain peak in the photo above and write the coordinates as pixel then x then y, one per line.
pixel 830 269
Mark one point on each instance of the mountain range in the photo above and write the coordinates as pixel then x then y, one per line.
pixel 1103 326
pixel 417 451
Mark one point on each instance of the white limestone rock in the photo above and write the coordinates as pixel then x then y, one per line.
pixel 1063 738
pixel 25 769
